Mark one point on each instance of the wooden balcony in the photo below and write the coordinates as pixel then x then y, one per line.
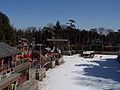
pixel 23 66
pixel 8 80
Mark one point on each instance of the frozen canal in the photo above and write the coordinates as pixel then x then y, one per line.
pixel 77 73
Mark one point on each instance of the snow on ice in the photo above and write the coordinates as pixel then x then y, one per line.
pixel 99 73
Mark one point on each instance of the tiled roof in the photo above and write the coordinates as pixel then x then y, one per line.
pixel 6 50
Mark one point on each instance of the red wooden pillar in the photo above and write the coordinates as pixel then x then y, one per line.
pixel 40 56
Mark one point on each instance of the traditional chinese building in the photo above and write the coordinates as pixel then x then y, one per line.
pixel 8 77
pixel 15 71
pixel 24 47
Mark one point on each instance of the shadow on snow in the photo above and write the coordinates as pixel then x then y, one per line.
pixel 107 69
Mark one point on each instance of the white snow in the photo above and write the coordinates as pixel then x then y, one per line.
pixel 88 52
pixel 77 73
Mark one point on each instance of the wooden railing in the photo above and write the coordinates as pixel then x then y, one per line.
pixel 22 67
pixel 9 80
pixel 6 73
pixel 19 64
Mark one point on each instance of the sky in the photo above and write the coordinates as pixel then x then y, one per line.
pixel 87 13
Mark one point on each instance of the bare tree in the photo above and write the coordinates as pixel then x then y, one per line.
pixel 101 30
pixel 108 31
pixel 63 26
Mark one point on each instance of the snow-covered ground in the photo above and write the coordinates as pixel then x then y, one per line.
pixel 77 73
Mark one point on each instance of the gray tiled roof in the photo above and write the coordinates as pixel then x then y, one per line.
pixel 6 50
